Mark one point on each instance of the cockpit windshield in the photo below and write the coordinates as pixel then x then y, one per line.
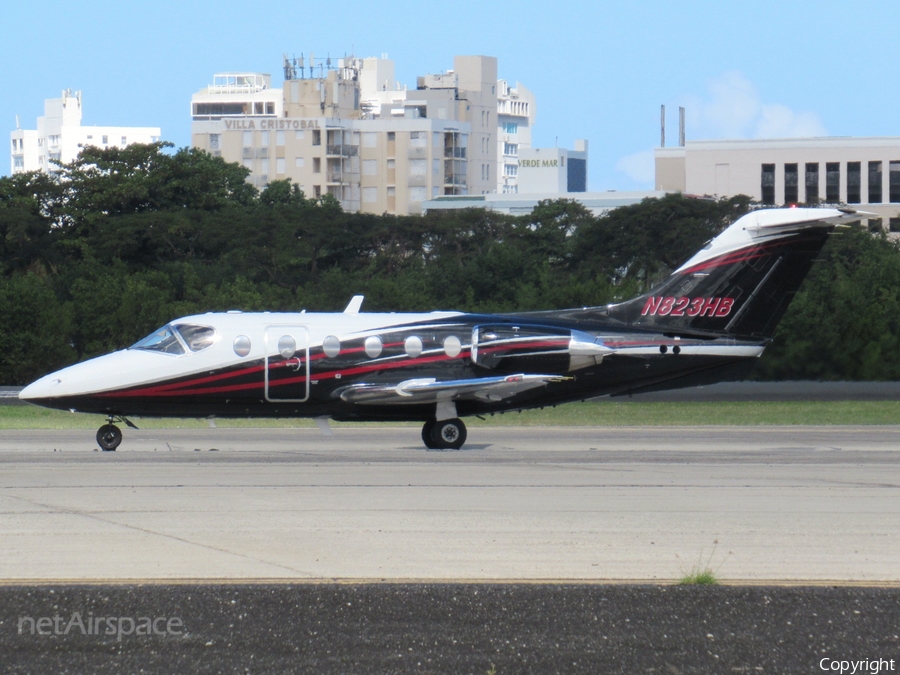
pixel 172 339
pixel 162 340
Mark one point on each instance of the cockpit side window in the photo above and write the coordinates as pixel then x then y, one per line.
pixel 162 340
pixel 197 338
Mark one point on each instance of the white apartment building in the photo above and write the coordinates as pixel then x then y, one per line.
pixel 352 131
pixel 515 119
pixel 863 173
pixel 59 136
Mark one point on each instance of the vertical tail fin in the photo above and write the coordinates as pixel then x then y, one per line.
pixel 742 282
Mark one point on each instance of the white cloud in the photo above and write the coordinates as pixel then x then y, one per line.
pixel 733 109
pixel 639 167
pixel 778 121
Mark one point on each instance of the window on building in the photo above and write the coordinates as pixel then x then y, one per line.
pixel 418 139
pixel 370 167
pixel 832 182
pixel 812 182
pixel 894 224
pixel 511 149
pixel 874 225
pixel 510 169
pixel 369 195
pixel 299 162
pixel 279 165
pixel 418 194
pixel 270 108
pixel 317 165
pixel 791 195
pixel 392 192
pixel 279 138
pixel 392 164
pixel 316 137
pixel 299 134
pixel 767 184
pixel 854 182
pixel 875 175
pixel 105 140
pixel 248 139
pixel 264 139
pixel 511 128
pixel 369 139
pixel 392 136
pixel 218 109
pixel 418 167
pixel 214 141
pixel 258 108
pixel 264 167
pixel 124 140
pixel 894 181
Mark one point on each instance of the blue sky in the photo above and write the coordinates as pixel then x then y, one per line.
pixel 599 70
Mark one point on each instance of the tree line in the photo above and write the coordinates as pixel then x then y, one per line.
pixel 120 241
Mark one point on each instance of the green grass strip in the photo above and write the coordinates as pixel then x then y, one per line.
pixel 602 413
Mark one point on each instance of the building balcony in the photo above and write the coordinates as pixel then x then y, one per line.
pixel 342 150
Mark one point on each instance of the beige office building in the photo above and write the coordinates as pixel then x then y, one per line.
pixel 353 132
pixel 863 173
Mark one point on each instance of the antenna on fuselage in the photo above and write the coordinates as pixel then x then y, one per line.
pixel 355 303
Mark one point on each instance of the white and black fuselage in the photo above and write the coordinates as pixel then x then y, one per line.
pixel 707 322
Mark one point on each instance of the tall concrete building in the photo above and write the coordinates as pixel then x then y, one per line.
pixel 350 130
pixel 863 173
pixel 59 136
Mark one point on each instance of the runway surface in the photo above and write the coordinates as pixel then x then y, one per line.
pixel 753 504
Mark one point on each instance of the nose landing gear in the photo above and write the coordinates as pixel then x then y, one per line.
pixel 109 436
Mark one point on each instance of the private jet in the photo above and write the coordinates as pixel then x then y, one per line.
pixel 707 322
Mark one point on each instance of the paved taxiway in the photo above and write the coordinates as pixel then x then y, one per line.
pixel 761 503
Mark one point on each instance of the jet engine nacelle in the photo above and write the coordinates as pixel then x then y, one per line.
pixel 534 349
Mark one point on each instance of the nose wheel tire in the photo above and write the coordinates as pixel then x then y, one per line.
pixel 108 437
pixel 444 434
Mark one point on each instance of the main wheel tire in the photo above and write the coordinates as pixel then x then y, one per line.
pixel 449 434
pixel 426 435
pixel 108 437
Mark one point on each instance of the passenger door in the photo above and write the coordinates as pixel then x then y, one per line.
pixel 287 363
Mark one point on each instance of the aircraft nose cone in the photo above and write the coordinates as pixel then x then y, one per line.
pixel 42 388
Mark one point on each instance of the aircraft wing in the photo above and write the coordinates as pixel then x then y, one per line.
pixel 430 390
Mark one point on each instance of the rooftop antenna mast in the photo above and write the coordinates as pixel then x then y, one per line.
pixel 662 126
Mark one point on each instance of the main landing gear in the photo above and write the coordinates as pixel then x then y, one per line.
pixel 444 434
pixel 109 436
